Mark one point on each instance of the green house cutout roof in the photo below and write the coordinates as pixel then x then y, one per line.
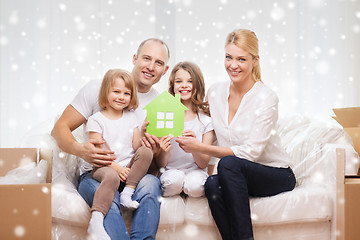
pixel 166 115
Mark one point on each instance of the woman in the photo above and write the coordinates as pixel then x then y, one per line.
pixel 244 113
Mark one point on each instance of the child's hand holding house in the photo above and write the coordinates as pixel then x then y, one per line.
pixel 165 143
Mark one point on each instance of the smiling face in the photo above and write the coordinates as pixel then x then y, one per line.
pixel 239 64
pixel 149 65
pixel 119 96
pixel 183 84
pixel 187 79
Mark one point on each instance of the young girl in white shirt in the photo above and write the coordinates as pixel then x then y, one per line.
pixel 117 125
pixel 181 171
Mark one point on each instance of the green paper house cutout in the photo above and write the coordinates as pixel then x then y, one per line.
pixel 166 115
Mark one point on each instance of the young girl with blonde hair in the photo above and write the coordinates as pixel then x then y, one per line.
pixel 117 125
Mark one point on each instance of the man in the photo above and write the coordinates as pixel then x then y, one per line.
pixel 150 64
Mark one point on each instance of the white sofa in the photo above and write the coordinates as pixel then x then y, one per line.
pixel 308 212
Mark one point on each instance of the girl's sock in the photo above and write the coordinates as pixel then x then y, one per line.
pixel 96 226
pixel 125 198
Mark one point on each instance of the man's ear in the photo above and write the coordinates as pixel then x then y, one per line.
pixel 165 70
pixel 134 59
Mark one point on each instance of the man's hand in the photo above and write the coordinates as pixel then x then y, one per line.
pixel 152 142
pixel 97 157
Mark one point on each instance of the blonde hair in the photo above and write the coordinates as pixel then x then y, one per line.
pixel 198 90
pixel 108 82
pixel 247 40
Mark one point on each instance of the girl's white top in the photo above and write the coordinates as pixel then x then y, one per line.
pixel 180 160
pixel 87 104
pixel 118 134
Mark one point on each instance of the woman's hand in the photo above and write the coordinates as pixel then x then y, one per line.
pixel 189 144
pixel 189 133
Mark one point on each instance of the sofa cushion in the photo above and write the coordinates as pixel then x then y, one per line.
pixel 303 204
pixel 197 211
pixel 67 205
pixel 303 140
pixel 172 210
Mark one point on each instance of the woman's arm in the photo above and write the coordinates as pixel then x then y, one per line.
pixel 262 128
pixel 191 145
pixel 202 160
pixel 211 169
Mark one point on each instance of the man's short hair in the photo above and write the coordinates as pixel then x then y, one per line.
pixel 155 40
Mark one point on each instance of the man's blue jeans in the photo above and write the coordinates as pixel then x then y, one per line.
pixel 145 219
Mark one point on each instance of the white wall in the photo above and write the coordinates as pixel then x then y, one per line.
pixel 309 51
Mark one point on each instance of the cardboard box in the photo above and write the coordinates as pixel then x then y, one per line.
pixel 25 209
pixel 352 208
pixel 349 119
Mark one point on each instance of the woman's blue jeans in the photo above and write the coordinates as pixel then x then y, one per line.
pixel 145 219
pixel 228 193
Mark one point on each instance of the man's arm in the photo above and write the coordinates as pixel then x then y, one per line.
pixel 62 132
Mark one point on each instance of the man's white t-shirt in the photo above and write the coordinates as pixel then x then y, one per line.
pixel 86 102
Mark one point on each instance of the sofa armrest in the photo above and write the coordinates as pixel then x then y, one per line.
pixel 320 166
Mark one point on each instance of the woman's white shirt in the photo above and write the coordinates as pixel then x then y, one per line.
pixel 251 133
